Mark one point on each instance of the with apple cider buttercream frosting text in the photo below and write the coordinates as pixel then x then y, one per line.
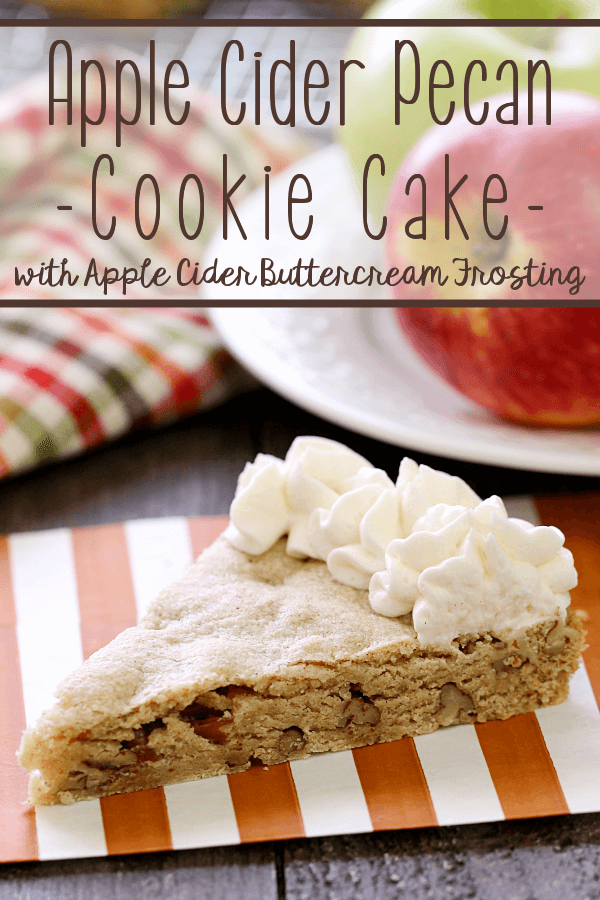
pixel 426 544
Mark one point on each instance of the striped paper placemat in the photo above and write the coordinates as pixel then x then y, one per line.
pixel 65 593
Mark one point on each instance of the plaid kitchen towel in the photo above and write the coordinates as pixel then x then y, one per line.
pixel 72 378
pixel 44 167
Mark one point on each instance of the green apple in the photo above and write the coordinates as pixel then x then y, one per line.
pixel 573 55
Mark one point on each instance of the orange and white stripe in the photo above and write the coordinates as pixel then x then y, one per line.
pixel 66 593
pixel 44 585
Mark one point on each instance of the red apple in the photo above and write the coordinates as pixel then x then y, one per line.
pixel 555 166
pixel 573 55
pixel 539 366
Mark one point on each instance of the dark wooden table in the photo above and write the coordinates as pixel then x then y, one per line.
pixel 191 468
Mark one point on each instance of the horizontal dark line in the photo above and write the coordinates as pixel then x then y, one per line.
pixel 84 302
pixel 535 207
pixel 70 207
pixel 300 23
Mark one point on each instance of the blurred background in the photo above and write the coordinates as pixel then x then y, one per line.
pixel 216 9
pixel 330 156
pixel 109 414
pixel 30 226
pixel 23 51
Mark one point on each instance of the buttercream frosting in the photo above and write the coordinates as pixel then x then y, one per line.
pixel 425 546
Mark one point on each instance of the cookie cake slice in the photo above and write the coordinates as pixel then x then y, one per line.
pixel 339 609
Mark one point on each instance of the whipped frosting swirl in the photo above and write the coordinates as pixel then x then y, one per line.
pixel 426 545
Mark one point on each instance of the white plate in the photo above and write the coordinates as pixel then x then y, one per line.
pixel 353 367
pixel 337 237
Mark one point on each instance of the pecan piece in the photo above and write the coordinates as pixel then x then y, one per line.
pixel 139 743
pixel 558 636
pixel 453 703
pixel 359 711
pixel 78 780
pixel 511 661
pixel 234 690
pixel 206 721
pixel 292 740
